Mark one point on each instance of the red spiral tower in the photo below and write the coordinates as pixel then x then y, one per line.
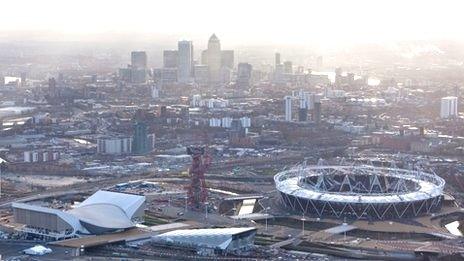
pixel 197 193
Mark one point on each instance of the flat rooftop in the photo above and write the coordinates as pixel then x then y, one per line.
pixel 128 235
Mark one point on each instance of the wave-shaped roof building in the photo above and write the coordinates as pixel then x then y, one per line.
pixel 103 212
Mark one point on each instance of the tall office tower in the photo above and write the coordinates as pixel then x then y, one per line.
pixel 288 108
pixel 204 57
pixel 288 67
pixel 23 79
pixel 139 59
pixel 140 140
pixel 201 75
pixel 244 76
pixel 303 110
pixel 319 62
pixel 227 58
pixel 303 114
pixel 338 76
pixel 185 61
pixel 214 59
pixel 350 79
pixel 279 74
pixel 317 113
pixel 52 90
pixel 138 75
pixel 168 76
pixel 449 107
pixel 170 58
pixel 309 100
pixel 277 59
pixel 61 78
pixel 225 75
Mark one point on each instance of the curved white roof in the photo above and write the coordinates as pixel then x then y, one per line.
pixel 102 212
pixel 103 215
pixel 127 202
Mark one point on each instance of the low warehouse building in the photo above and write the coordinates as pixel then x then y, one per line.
pixel 210 240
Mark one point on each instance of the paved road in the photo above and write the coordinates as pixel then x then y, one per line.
pixel 9 249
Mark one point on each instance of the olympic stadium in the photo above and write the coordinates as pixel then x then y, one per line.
pixel 360 192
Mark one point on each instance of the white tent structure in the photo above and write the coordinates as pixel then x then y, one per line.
pixel 37 250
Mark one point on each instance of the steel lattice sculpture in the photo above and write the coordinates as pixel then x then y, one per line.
pixel 197 192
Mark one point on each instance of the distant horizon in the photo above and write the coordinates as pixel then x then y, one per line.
pixel 330 22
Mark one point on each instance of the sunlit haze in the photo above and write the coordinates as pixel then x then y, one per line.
pixel 243 21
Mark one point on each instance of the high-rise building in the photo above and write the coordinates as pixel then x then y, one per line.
pixel 139 59
pixel 138 75
pixel 214 59
pixel 201 74
pixel 227 58
pixel 133 75
pixel 244 75
pixel 226 75
pixel 302 114
pixel 168 76
pixel 449 107
pixel 114 145
pixel 288 67
pixel 319 62
pixel 288 108
pixel 317 113
pixel 204 57
pixel 277 59
pixel 170 58
pixel 279 73
pixel 140 140
pixel 185 61
pixel 338 76
pixel 23 79
pixel 52 90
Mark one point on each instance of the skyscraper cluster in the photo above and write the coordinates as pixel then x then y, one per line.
pixel 214 68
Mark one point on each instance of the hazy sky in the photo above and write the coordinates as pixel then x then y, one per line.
pixel 243 21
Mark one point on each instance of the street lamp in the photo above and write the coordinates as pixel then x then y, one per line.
pixel 344 229
pixel 0 180
pixel 233 210
pixel 303 219
pixel 186 198
pixel 266 209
